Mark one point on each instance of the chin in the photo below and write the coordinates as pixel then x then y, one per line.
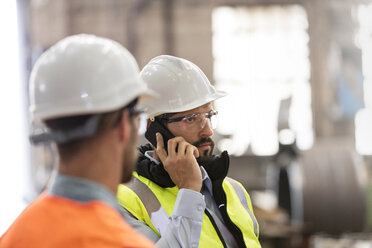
pixel 205 153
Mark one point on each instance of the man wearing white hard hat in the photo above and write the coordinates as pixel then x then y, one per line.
pixel 179 185
pixel 85 89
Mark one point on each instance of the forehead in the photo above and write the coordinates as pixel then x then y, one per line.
pixel 202 109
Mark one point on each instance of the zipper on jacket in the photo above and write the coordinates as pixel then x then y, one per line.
pixel 220 197
pixel 216 228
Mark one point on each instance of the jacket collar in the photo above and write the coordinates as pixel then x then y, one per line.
pixel 216 167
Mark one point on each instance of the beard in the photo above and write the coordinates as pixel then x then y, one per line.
pixel 207 153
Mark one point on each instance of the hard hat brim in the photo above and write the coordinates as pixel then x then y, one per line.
pixel 215 96
pixel 138 89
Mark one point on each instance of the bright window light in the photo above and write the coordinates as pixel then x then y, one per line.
pixel 13 143
pixel 261 57
pixel 363 131
pixel 363 119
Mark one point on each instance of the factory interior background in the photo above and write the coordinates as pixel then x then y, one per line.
pixel 297 121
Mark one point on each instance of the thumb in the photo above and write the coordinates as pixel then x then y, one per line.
pixel 160 147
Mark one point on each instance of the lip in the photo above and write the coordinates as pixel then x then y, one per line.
pixel 205 145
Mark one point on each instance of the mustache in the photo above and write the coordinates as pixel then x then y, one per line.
pixel 202 141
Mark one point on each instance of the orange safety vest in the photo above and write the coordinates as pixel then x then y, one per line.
pixel 53 221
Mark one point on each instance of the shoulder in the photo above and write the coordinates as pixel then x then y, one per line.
pixel 64 222
pixel 233 182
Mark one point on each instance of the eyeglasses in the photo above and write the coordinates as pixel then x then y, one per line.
pixel 142 119
pixel 196 122
pixel 133 112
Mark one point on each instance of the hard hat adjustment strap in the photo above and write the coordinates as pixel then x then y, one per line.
pixel 84 131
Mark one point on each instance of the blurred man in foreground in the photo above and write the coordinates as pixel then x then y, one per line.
pixel 85 89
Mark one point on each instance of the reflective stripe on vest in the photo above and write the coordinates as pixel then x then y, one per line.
pixel 240 192
pixel 148 198
pixel 157 214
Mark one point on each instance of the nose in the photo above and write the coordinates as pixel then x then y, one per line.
pixel 207 130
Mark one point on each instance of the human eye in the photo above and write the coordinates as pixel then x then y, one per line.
pixel 190 119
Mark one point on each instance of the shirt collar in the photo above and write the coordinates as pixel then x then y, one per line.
pixel 150 155
pixel 207 182
pixel 82 190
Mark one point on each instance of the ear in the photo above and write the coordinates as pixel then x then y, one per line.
pixel 124 126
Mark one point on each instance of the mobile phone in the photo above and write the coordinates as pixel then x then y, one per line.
pixel 157 127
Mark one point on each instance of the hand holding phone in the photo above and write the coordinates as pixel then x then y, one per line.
pixel 180 162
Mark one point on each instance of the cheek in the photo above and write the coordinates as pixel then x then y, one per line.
pixel 189 137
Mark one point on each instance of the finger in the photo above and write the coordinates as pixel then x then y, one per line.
pixel 162 153
pixel 182 148
pixel 172 145
pixel 192 151
pixel 196 152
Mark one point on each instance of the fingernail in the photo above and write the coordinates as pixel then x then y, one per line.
pixel 157 134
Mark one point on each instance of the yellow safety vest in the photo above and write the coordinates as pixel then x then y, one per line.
pixel 142 197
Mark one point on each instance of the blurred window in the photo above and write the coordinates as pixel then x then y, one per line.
pixel 261 58
pixel 14 158
pixel 363 119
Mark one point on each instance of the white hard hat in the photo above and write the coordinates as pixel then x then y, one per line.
pixel 181 84
pixel 84 74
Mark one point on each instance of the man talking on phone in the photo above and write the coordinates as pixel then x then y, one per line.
pixel 180 195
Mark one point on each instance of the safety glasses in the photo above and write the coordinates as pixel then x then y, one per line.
pixel 142 119
pixel 196 122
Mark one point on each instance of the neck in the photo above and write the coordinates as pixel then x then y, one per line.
pixel 98 161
